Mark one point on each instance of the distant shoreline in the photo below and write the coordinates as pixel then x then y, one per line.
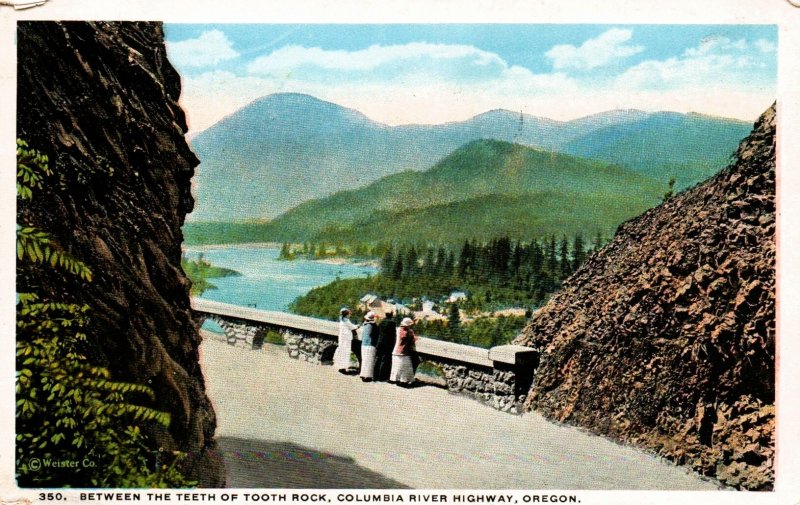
pixel 375 263
pixel 346 261
pixel 249 245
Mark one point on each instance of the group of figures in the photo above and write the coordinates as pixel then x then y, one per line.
pixel 387 351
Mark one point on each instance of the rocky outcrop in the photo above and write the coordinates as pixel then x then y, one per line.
pixel 100 99
pixel 665 338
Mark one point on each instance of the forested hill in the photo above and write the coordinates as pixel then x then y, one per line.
pixel 690 147
pixel 287 148
pixel 486 188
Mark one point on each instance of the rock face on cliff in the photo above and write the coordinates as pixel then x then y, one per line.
pixel 665 338
pixel 100 99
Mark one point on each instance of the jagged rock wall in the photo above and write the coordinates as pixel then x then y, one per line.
pixel 666 337
pixel 100 99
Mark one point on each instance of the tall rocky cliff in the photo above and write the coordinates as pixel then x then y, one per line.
pixel 100 99
pixel 665 338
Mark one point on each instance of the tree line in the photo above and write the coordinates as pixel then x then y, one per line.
pixel 537 266
pixel 498 274
pixel 321 250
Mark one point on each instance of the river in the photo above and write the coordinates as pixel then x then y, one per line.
pixel 266 282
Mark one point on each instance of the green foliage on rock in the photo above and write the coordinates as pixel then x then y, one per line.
pixel 670 189
pixel 75 425
pixel 274 337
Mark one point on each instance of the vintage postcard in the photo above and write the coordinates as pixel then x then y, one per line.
pixel 412 253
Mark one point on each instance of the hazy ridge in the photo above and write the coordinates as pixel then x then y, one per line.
pixel 285 149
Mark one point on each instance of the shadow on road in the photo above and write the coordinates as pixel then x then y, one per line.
pixel 268 464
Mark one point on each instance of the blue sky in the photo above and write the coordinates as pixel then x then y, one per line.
pixel 399 74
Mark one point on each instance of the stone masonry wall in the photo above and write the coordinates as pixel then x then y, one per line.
pixel 491 386
pixel 500 386
pixel 315 349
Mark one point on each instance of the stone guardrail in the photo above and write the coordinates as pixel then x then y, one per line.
pixel 500 377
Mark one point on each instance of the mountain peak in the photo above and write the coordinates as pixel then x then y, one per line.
pixel 505 114
pixel 302 104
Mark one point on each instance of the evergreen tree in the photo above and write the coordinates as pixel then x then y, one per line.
pixel 441 269
pixel 499 254
pixel 550 270
pixel 429 266
pixel 536 256
pixel 564 263
pixel 481 271
pixel 465 260
pixel 412 263
pixel 387 264
pixel 516 263
pixel 449 264
pixel 398 270
pixel 578 252
pixel 454 323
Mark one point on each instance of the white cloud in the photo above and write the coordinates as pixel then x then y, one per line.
pixel 607 48
pixel 214 95
pixel 436 83
pixel 210 48
pixel 372 58
pixel 716 45
pixel 765 46
pixel 210 96
pixel 415 63
pixel 713 63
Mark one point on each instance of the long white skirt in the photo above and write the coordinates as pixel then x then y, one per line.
pixel 402 369
pixel 368 361
pixel 341 358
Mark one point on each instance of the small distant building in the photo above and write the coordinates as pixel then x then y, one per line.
pixel 427 313
pixel 401 309
pixel 457 296
pixel 368 302
pixel 381 307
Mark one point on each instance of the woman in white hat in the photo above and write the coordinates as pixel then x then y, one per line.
pixel 341 358
pixel 369 335
pixel 402 366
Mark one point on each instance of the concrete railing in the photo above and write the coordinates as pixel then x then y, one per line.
pixel 500 376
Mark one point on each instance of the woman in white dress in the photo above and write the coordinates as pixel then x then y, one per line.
pixel 369 336
pixel 402 366
pixel 341 358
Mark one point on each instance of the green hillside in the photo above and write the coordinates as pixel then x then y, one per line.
pixel 689 147
pixel 522 216
pixel 486 188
